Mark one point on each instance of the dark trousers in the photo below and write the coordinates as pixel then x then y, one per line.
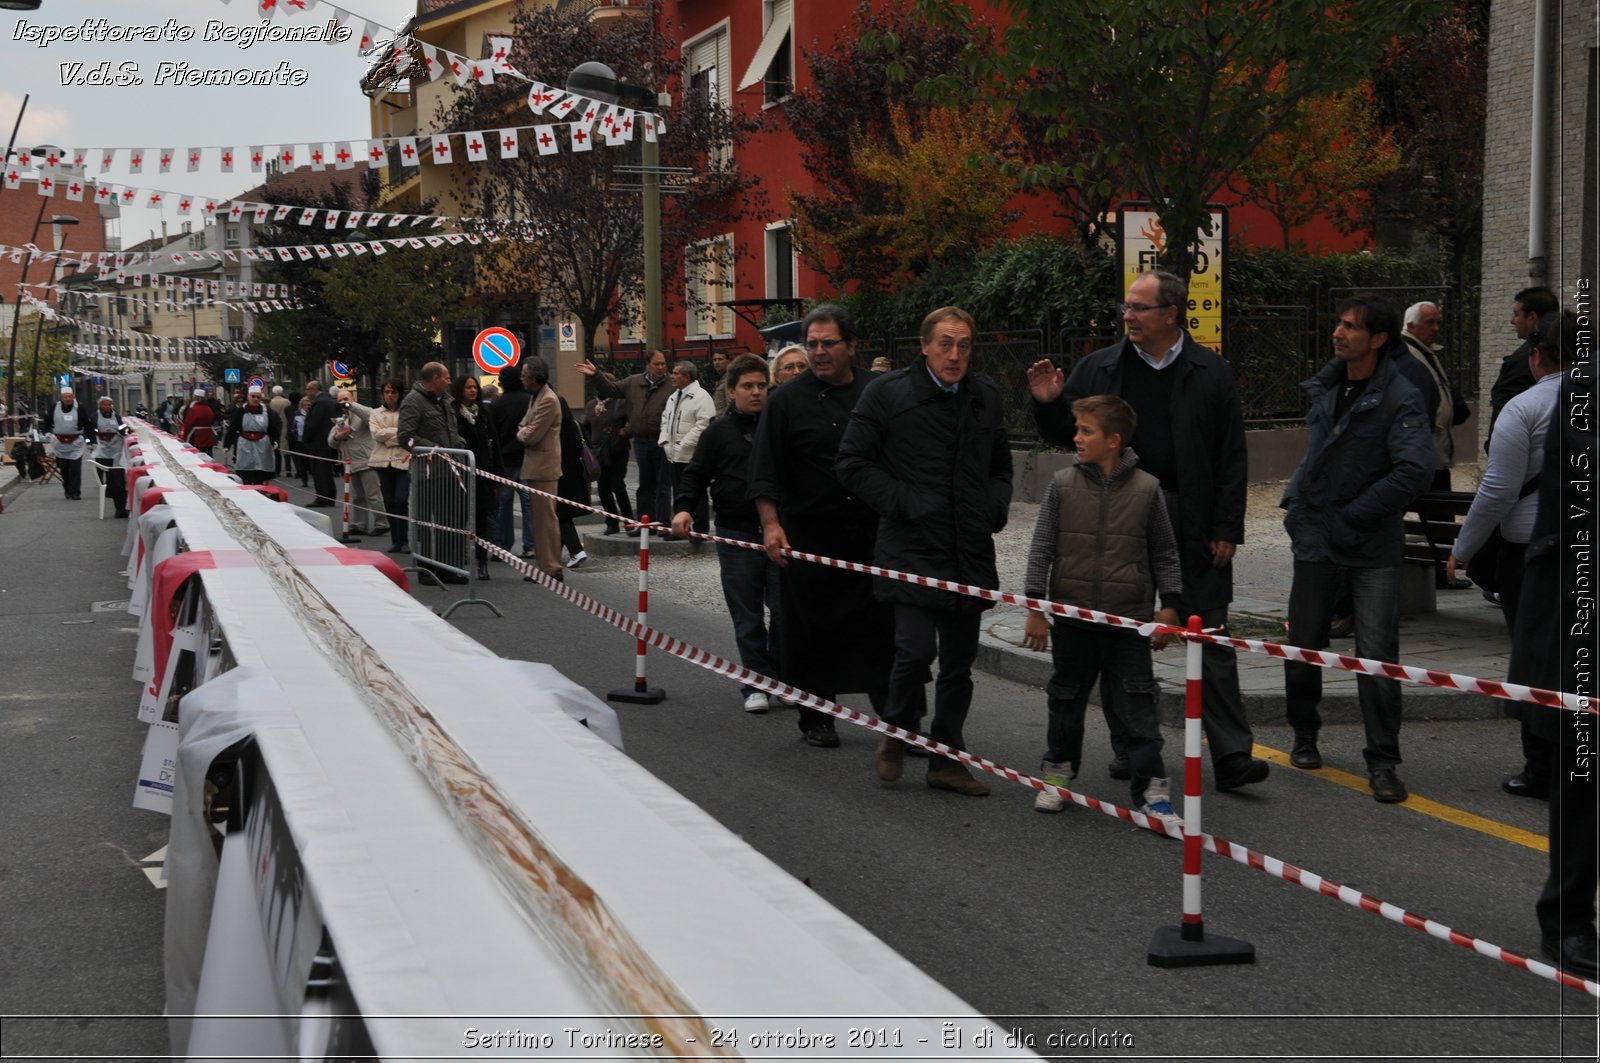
pixel 322 467
pixel 613 489
pixel 1375 593
pixel 116 481
pixel 750 589
pixel 920 635
pixel 395 486
pixel 700 515
pixel 1566 904
pixel 253 476
pixel 655 480
pixel 505 527
pixel 71 471
pixel 1120 659
pixel 1537 751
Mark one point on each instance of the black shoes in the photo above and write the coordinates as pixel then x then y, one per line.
pixel 1304 752
pixel 483 569
pixel 1521 785
pixel 1574 954
pixel 1242 770
pixel 1118 768
pixel 822 735
pixel 1387 789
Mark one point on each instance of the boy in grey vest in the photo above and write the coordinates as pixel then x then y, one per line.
pixel 1103 541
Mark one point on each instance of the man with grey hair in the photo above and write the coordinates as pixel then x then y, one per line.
pixel 1423 324
pixel 1189 436
pixel 539 432
pixel 279 405
pixel 687 413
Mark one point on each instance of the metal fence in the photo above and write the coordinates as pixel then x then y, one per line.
pixel 445 494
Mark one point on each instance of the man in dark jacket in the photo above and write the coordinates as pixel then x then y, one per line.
pixel 722 462
pixel 1190 436
pixel 644 396
pixel 1369 454
pixel 1551 647
pixel 926 448
pixel 505 413
pixel 427 418
pixel 1527 307
pixel 314 441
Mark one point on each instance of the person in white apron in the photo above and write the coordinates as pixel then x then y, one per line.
pixel 107 455
pixel 252 435
pixel 70 424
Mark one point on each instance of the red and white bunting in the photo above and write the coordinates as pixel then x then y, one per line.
pixel 332 220
pixel 192 160
pixel 476 150
pixel 257 156
pixel 377 154
pixel 318 155
pixel 441 148
pixel 545 136
pixel 307 215
pixel 581 138
pixel 508 143
pixel 408 151
pixel 343 157
pixel 136 160
pixel 164 160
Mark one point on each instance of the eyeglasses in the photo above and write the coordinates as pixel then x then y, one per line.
pixel 1139 308
pixel 822 345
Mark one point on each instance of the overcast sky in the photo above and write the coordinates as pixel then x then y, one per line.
pixel 328 107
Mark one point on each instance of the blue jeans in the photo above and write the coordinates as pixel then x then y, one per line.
pixel 505 533
pixel 1376 594
pixel 749 583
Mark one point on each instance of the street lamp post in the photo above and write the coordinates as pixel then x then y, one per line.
pixel 58 226
pixel 599 82
pixel 16 319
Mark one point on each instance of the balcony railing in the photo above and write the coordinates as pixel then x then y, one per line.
pixel 598 8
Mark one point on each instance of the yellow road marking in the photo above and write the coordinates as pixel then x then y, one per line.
pixel 1422 805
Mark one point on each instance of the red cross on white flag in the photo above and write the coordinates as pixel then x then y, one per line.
pixel 13 178
pixel 297 7
pixel 545 136
pixel 283 212
pixel 136 161
pixel 308 215
pixel 564 108
pixel 377 248
pixel 165 160
pixel 498 50
pixel 441 148
pixel 184 204
pixel 377 153
pixel 332 220
pixel 47 186
pixel 341 250
pixel 194 160
pixel 539 97
pixel 614 130
pixel 343 158
pixel 257 154
pixel 286 156
pixel 408 151
pixel 78 155
pixel 236 211
pixel 106 156
pixel 101 193
pixel 155 200
pixel 508 143
pixel 581 140
pixel 317 156
pixel 435 63
pixel 227 160
pixel 75 191
pixel 649 128
pixel 476 151
pixel 368 39
pixel 261 214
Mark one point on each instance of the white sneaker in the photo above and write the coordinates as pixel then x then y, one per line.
pixel 756 702
pixel 1055 775
pixel 577 560
pixel 1158 805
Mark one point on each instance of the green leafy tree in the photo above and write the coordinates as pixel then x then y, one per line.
pixel 36 375
pixel 1179 95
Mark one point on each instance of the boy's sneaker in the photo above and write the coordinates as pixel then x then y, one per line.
pixel 1055 775
pixel 1157 805
pixel 577 560
pixel 756 702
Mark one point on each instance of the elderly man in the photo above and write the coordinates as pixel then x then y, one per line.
pixel 280 406
pixel 644 396
pixel 1423 325
pixel 834 636
pixel 314 440
pixel 69 423
pixel 539 432
pixel 428 419
pixel 1190 436
pixel 926 448
pixel 351 437
pixel 687 413
pixel 1369 453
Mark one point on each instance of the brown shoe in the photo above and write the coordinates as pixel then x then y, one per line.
pixel 949 775
pixel 891 759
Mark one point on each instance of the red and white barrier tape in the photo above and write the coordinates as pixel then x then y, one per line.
pixel 1333 661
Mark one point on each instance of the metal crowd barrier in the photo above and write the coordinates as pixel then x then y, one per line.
pixel 445 494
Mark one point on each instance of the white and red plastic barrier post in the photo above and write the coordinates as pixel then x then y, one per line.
pixel 1186 945
pixel 345 535
pixel 641 693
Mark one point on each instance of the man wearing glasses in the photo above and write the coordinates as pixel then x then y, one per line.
pixel 1190 436
pixel 834 636
pixel 927 449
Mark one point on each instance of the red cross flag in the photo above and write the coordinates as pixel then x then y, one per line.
pixel 318 157
pixel 257 153
pixel 343 157
pixel 377 154
pixel 539 97
pixel 332 220
pixel 323 252
pixel 476 151
pixel 286 156
pixel 408 151
pixel 441 148
pixel 166 159
pixel 307 215
pixel 564 108
pixel 136 161
pixel 581 140
pixel 545 135
pixel 193 162
pixel 78 155
pixel 508 143
pixel 106 155
pixel 47 186
pixel 261 213
pixel 227 160
pixel 367 37
pixel 14 178
pixel 434 61
pixel 283 212
pixel 499 52
pixel 75 191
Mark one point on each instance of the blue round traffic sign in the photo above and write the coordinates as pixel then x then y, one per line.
pixel 495 349
pixel 258 383
pixel 340 370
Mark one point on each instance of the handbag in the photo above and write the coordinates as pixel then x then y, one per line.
pixel 1484 568
pixel 591 462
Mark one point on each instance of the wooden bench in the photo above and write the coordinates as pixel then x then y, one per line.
pixel 1431 526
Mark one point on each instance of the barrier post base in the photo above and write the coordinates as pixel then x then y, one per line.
pixel 638 695
pixel 1170 948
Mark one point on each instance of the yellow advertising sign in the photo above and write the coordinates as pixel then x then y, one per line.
pixel 1143 241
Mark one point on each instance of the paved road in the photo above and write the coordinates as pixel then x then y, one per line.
pixel 1044 918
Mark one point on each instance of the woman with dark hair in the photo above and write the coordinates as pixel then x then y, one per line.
pixel 393 464
pixel 477 434
pixel 573 486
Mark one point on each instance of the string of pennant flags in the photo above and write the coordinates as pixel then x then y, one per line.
pixel 97 359
pixel 181 344
pixel 217 289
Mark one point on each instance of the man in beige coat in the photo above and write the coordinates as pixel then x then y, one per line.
pixel 539 432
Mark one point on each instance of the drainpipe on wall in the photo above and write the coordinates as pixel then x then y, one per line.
pixel 1539 155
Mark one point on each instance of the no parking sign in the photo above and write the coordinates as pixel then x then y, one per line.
pixel 495 349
